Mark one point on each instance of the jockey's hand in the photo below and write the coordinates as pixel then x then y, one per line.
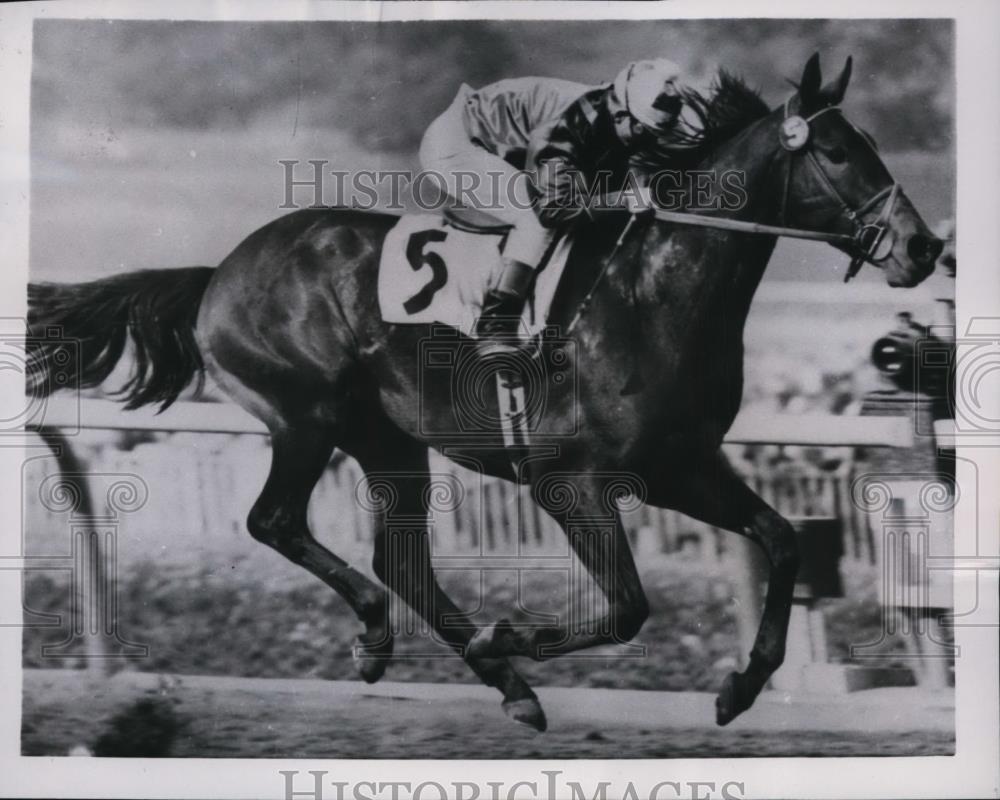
pixel 639 201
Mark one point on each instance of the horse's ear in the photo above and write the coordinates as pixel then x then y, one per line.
pixel 809 86
pixel 835 90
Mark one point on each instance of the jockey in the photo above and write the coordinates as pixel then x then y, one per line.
pixel 559 132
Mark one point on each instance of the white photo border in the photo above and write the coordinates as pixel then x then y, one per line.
pixel 972 772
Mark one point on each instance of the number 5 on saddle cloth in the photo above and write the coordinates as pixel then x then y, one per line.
pixel 436 269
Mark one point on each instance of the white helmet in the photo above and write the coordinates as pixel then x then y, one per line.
pixel 651 92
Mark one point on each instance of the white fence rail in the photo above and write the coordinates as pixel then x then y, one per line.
pixel 821 430
pixel 206 462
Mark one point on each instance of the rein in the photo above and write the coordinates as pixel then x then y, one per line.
pixel 870 243
pixel 721 223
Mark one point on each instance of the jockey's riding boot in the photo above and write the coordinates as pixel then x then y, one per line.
pixel 498 325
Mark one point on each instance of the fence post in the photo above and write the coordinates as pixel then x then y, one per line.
pixel 908 499
pixel 93 555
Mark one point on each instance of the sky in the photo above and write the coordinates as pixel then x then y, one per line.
pixel 156 143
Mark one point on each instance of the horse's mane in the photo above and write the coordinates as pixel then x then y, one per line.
pixel 727 108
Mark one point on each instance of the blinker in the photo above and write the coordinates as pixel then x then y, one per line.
pixel 794 133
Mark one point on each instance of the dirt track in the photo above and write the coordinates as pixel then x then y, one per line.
pixel 229 717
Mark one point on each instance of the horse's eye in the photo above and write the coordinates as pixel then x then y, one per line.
pixel 837 155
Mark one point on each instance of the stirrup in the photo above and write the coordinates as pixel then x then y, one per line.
pixel 502 355
pixel 490 348
pixel 511 399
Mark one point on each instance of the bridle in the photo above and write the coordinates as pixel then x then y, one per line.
pixel 870 242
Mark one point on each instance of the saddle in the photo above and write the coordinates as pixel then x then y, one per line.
pixel 473 220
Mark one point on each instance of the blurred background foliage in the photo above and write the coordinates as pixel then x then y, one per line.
pixel 157 143
pixel 385 82
pixel 259 618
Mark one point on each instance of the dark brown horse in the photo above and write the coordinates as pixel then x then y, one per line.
pixel 289 326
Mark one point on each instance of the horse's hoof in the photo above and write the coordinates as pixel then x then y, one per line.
pixel 527 711
pixel 733 699
pixel 372 660
pixel 486 641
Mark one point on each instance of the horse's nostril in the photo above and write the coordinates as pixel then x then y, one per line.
pixel 924 249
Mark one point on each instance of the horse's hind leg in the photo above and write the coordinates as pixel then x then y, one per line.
pixel 595 532
pixel 398 488
pixel 714 493
pixel 278 518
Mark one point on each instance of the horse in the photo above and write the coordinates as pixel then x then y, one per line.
pixel 289 327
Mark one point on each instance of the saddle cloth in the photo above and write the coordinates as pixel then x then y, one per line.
pixel 431 272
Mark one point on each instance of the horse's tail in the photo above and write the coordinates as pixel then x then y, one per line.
pixel 78 332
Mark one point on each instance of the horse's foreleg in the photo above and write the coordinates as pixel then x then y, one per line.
pixel 278 519
pixel 594 529
pixel 398 481
pixel 717 495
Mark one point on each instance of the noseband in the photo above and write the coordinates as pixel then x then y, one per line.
pixel 871 242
